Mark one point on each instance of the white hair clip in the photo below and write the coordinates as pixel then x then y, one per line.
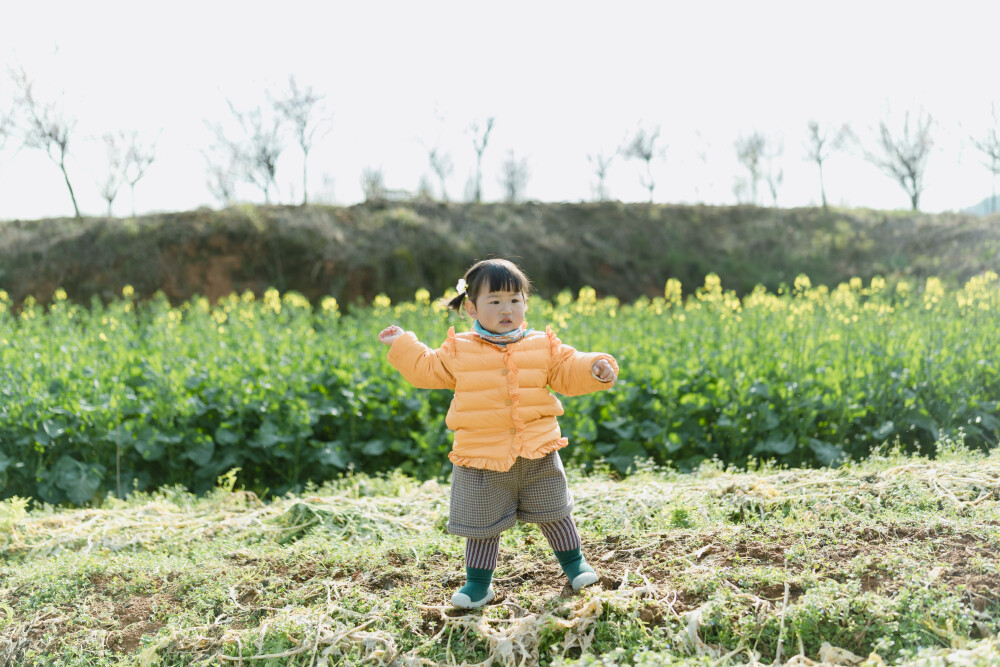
pixel 461 286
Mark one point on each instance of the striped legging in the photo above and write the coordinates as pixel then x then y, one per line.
pixel 562 536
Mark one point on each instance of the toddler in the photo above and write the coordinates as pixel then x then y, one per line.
pixel 505 450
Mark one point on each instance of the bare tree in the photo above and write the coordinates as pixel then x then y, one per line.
pixel 821 144
pixel 904 156
pixel 6 127
pixel 740 190
pixel 299 108
pixel 774 180
pixel 139 156
pixel 514 177
pixel 750 153
pixel 774 174
pixel 480 138
pixel 255 152
pixel 989 145
pixel 470 187
pixel 327 190
pixel 600 162
pixel 373 184
pixel 45 128
pixel 442 167
pixel 425 191
pixel 115 177
pixel 642 146
pixel 221 183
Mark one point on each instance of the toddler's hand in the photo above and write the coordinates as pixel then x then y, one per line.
pixel 603 371
pixel 390 334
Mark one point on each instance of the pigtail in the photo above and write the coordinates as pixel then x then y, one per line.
pixel 455 303
pixel 462 287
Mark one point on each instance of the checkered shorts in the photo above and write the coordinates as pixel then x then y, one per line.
pixel 484 503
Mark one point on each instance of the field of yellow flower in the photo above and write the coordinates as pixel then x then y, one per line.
pixel 105 399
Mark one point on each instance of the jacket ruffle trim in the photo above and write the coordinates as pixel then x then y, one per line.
pixel 449 344
pixel 554 342
pixel 505 464
pixel 513 390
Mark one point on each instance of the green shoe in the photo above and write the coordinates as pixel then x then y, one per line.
pixel 477 591
pixel 576 568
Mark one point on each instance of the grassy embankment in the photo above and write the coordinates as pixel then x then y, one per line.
pixel 350 253
pixel 889 560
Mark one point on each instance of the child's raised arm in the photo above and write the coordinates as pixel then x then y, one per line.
pixel 420 365
pixel 390 334
pixel 573 373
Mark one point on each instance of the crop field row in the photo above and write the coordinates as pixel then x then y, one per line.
pixel 129 396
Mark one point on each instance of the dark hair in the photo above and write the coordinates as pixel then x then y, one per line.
pixel 491 275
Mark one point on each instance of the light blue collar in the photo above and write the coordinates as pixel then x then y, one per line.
pixel 500 340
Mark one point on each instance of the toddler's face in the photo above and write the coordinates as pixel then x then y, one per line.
pixel 498 312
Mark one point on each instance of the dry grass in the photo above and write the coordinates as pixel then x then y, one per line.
pixel 359 572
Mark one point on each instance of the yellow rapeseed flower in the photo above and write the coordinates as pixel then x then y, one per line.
pixel 128 291
pixel 819 293
pixel 382 301
pixel 977 291
pixel 802 283
pixel 422 296
pixel 711 291
pixel 732 302
pixel 329 305
pixel 642 303
pixel 59 295
pixel 672 292
pixel 933 292
pixel 845 296
pixel 295 300
pixel 758 298
pixel 272 300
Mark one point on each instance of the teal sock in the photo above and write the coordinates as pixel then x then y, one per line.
pixel 477 583
pixel 574 564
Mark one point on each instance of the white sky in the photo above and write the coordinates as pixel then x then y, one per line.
pixel 562 78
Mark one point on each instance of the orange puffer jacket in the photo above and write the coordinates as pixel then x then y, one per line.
pixel 502 407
